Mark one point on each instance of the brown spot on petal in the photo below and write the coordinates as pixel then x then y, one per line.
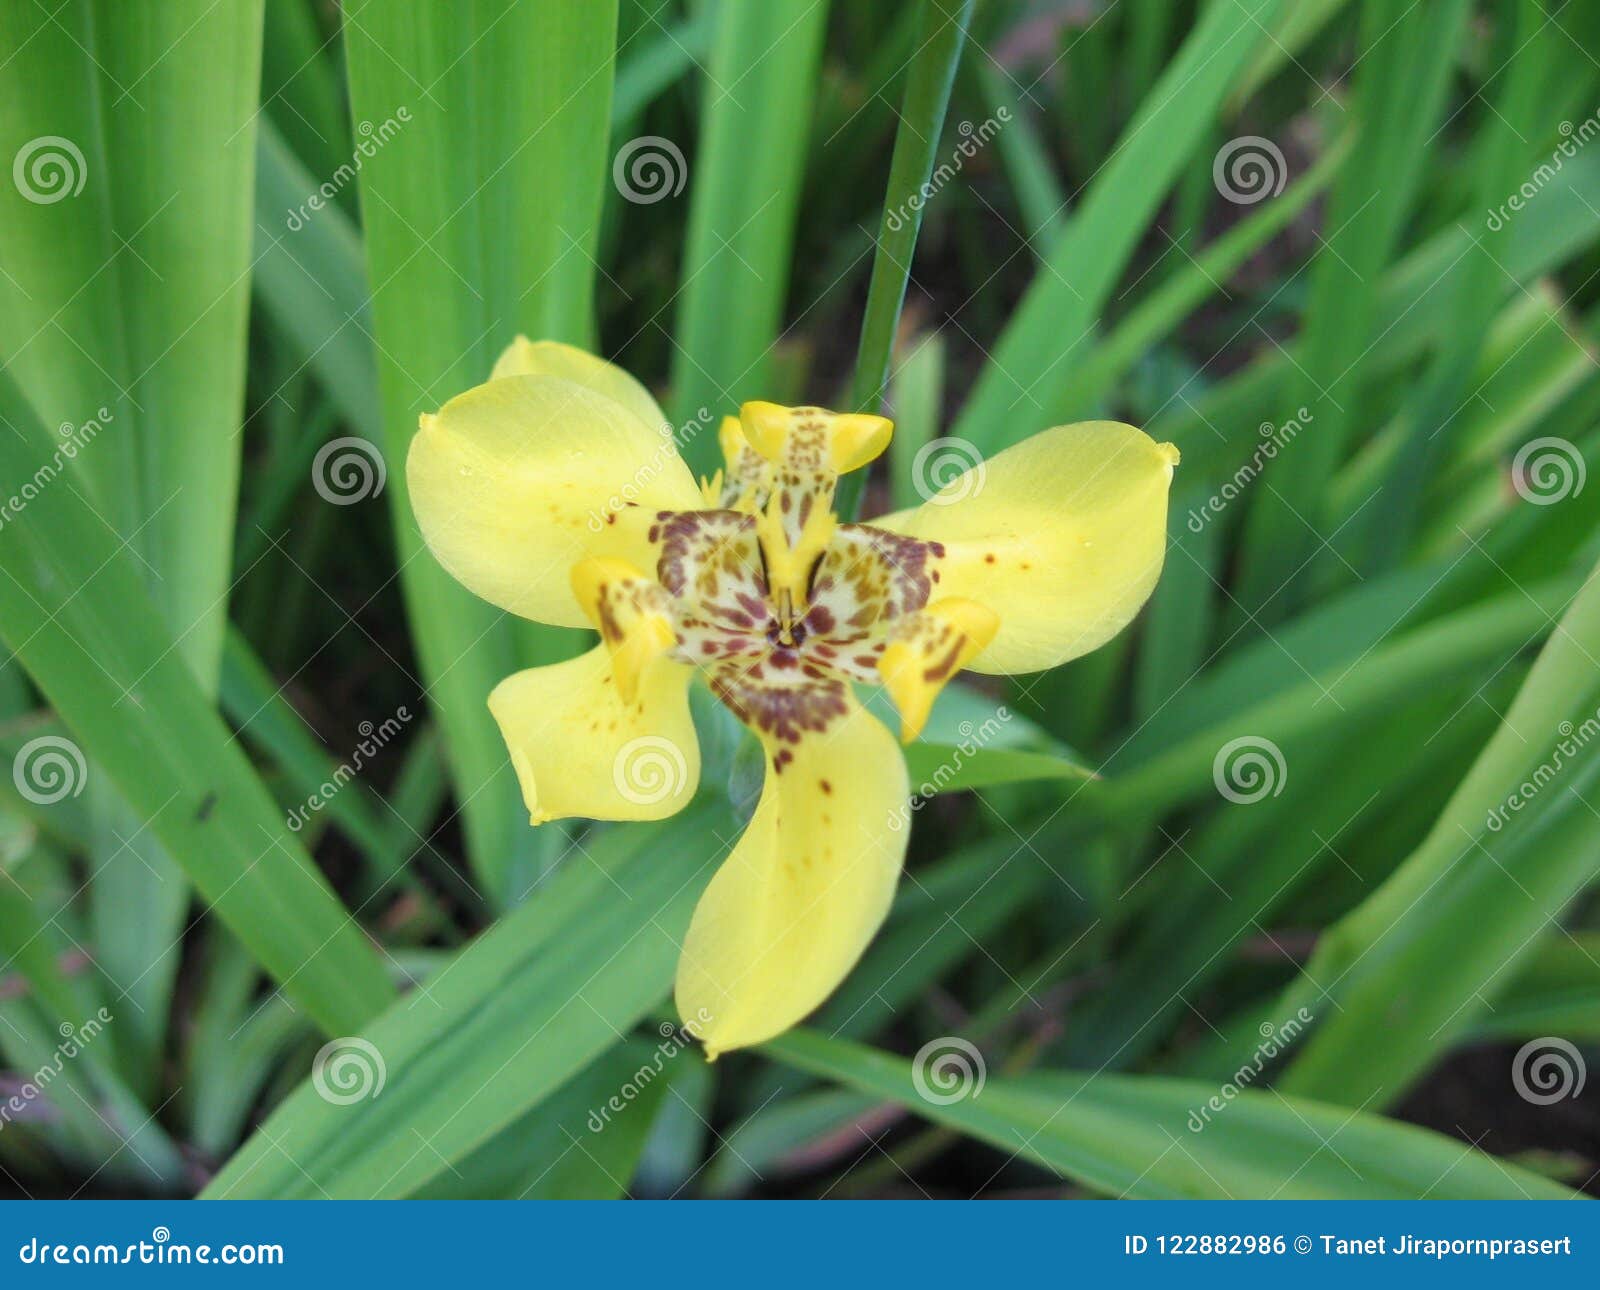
pixel 783 710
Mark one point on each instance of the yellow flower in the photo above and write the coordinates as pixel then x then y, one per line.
pixel 556 492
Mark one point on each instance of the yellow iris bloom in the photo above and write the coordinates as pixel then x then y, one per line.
pixel 556 492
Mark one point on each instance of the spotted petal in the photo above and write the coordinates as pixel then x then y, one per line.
pixel 1062 535
pixel 792 908
pixel 580 749
pixel 517 480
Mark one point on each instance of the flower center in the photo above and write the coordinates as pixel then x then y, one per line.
pixel 777 629
pixel 780 604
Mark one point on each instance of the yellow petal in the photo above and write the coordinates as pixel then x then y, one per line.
pixel 926 650
pixel 858 438
pixel 1062 535
pixel 746 476
pixel 730 438
pixel 630 612
pixel 813 439
pixel 580 750
pixel 524 357
pixel 792 908
pixel 766 427
pixel 517 480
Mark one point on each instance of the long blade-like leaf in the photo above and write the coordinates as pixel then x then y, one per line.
pixel 1412 964
pixel 745 197
pixel 124 285
pixel 1134 1135
pixel 480 188
pixel 498 1029
pixel 73 608
pixel 1022 385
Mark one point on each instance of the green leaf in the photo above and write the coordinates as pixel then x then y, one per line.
pixel 1194 281
pixel 1413 963
pixel 1179 620
pixel 1401 79
pixel 124 293
pixel 941 35
pixel 132 293
pixel 943 915
pixel 74 609
pixel 774 1139
pixel 1027 158
pixel 1457 645
pixel 1294 29
pixel 480 190
pixel 583 1142
pixel 647 71
pixel 947 768
pixel 1132 1136
pixel 301 90
pixel 940 38
pixel 55 1009
pixel 1235 872
pixel 310 276
pixel 254 702
pixel 1531 359
pixel 236 1042
pixel 1021 387
pixel 962 712
pixel 66 822
pixel 500 1028
pixel 744 201
pixel 1389 518
pixel 1217 429
pixel 916 397
pixel 1556 991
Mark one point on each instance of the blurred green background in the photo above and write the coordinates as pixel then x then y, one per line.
pixel 1285 892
